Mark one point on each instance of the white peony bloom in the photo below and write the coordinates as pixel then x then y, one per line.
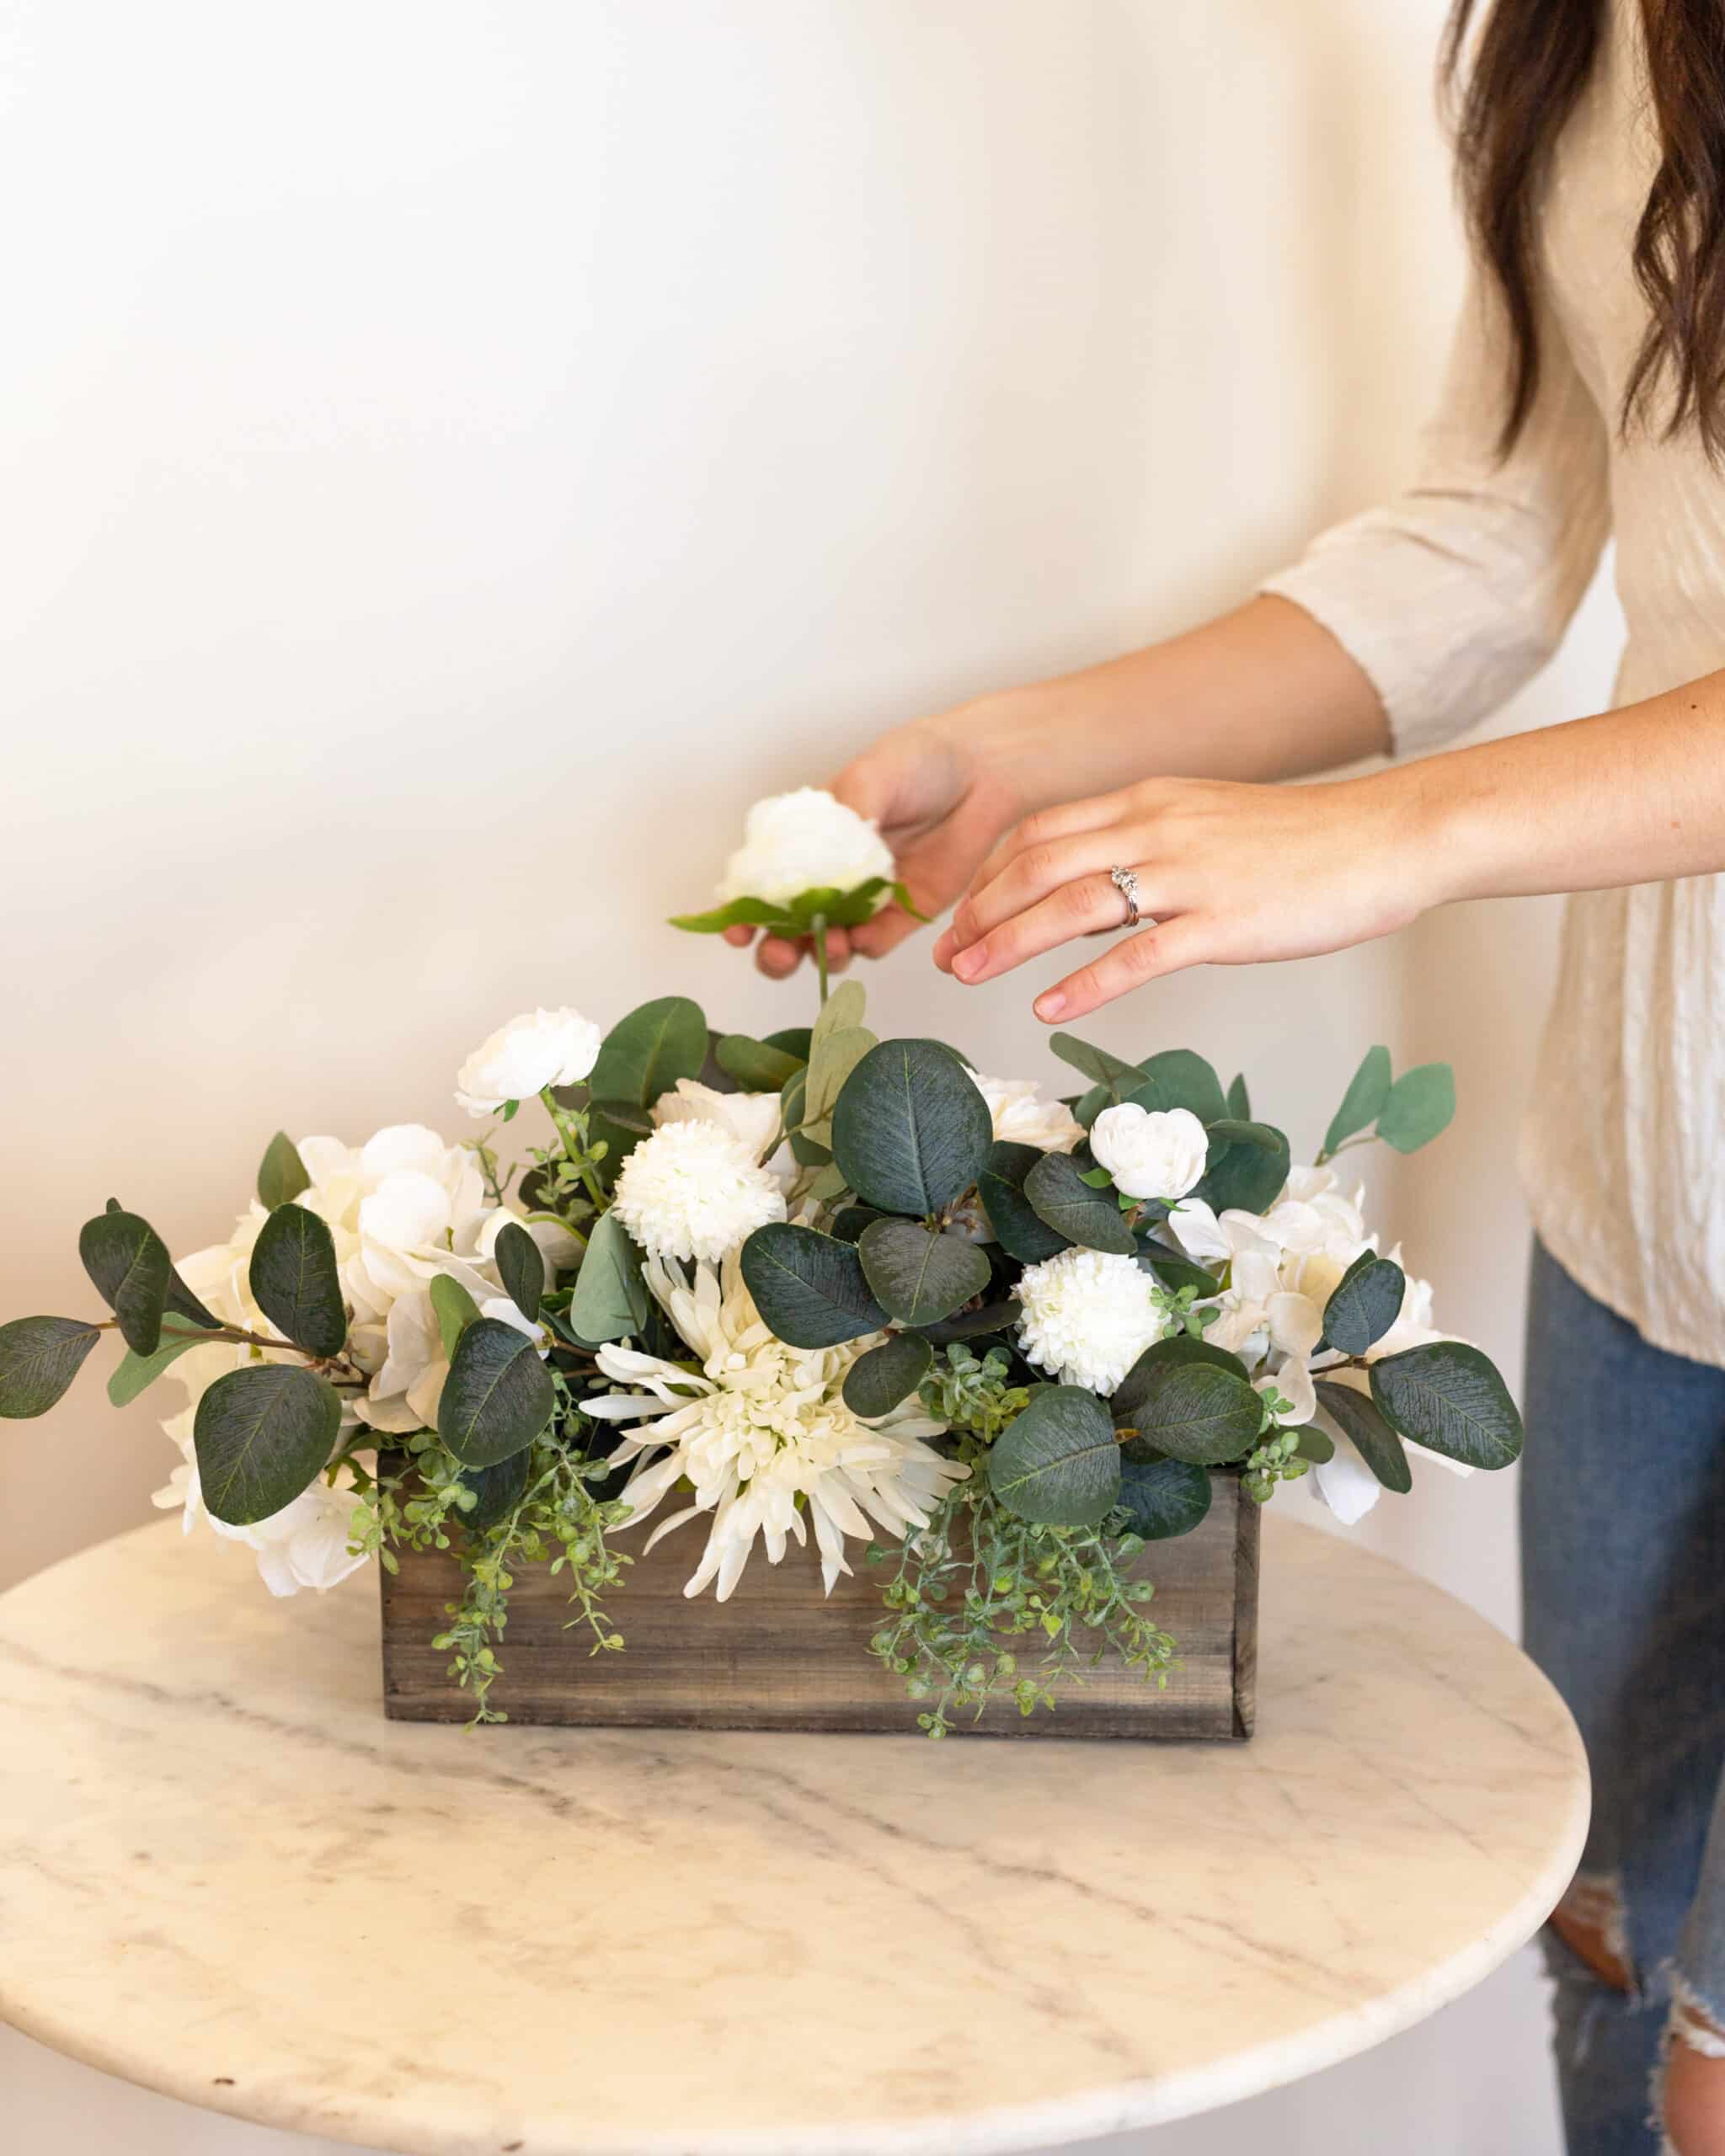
pixel 762 1434
pixel 751 1118
pixel 803 842
pixel 1151 1152
pixel 1023 1117
pixel 692 1190
pixel 304 1545
pixel 540 1048
pixel 1088 1316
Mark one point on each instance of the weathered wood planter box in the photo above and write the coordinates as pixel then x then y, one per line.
pixel 779 1655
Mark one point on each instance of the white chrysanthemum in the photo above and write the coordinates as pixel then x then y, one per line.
pixel 803 842
pixel 1088 1315
pixel 692 1190
pixel 539 1049
pixel 762 1434
pixel 1023 1117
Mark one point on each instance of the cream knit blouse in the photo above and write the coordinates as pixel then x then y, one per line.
pixel 1452 596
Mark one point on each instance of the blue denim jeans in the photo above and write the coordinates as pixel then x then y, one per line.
pixel 1623 1582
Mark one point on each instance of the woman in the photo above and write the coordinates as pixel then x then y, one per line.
pixel 1586 394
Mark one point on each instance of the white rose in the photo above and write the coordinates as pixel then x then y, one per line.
pixel 752 1118
pixel 1023 1117
pixel 1151 1153
pixel 540 1048
pixel 803 842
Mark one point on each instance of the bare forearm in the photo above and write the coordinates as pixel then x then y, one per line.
pixel 1635 796
pixel 1261 693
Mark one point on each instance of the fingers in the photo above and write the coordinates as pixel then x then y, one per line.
pixel 1165 948
pixel 1044 871
pixel 739 938
pixel 1047 826
pixel 1084 907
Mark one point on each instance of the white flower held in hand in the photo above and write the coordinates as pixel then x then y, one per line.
pixel 692 1190
pixel 1151 1153
pixel 804 841
pixel 540 1048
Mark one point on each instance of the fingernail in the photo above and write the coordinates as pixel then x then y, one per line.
pixel 1051 1005
pixel 969 964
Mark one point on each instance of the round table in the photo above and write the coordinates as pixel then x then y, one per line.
pixel 223 1875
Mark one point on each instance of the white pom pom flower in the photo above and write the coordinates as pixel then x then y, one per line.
pixel 1088 1315
pixel 692 1190
pixel 803 842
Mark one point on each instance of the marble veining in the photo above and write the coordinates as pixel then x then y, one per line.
pixel 223 1875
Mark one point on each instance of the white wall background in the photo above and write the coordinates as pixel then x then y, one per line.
pixel 453 458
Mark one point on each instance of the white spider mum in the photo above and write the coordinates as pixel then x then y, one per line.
pixel 1088 1315
pixel 694 1190
pixel 759 1427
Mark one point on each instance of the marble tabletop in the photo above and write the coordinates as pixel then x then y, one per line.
pixel 223 1875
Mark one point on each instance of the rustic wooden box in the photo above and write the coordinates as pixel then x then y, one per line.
pixel 779 1655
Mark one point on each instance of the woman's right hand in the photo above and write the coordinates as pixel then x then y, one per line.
pixel 941 802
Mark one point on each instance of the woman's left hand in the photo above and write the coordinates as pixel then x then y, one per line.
pixel 1227 875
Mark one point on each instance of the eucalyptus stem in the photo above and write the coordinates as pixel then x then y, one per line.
pixel 819 929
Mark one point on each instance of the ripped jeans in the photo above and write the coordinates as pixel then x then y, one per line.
pixel 1623 1582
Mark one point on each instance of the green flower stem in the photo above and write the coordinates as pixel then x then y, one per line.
pixel 571 1126
pixel 817 929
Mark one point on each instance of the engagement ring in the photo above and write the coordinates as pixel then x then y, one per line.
pixel 1126 884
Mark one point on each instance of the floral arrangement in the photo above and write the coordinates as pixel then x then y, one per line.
pixel 818 1286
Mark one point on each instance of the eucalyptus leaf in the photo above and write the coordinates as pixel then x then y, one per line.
pixel 136 1373
pixel 1366 1303
pixel 970 1324
pixel 282 1173
pixel 1247 1167
pixel 917 1275
pixel 1163 1497
pixel 1368 1089
pixel 454 1308
pixel 610 1300
pixel 499 1489
pixel 497 1397
pixel 1311 1444
pixel 1359 1421
pixel 1450 1397
pixel 1141 1381
pixel 1189 1406
pixel 129 1263
pixel 297 1282
pixel 645 1054
pixel 1056 1464
pixel 849 1221
pixel 1063 1201
pixel 832 1060
pixel 757 1066
pixel 796 1042
pixel 39 1359
pixel 262 1435
pixel 810 1288
pixel 1101 1065
pixel 1421 1103
pixel 877 1382
pixel 909 1129
pixel 520 1263
pixel 1016 1225
pixel 1239 1099
pixel 1177 1078
pixel 1173 1271
pixel 844 1008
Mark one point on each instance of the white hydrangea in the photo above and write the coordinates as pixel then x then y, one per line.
pixel 693 1190
pixel 1023 1117
pixel 803 842
pixel 1088 1315
pixel 539 1049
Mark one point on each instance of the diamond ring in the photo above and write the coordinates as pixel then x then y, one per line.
pixel 1126 884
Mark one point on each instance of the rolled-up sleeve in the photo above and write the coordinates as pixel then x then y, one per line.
pixel 1453 596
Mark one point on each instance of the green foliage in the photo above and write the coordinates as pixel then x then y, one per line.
pixel 918 1275
pixel 1366 1303
pixel 1018 1228
pixel 1139 1385
pixel 497 1490
pixel 297 1282
pixel 877 1382
pixel 282 1173
pixel 497 1397
pixel 262 1435
pixel 1176 1078
pixel 137 1373
pixel 909 1128
pixel 1240 1099
pixel 1187 1404
pixel 828 906
pixel 1064 1202
pixel 1421 1104
pixel 521 1264
pixel 1450 1396
pixel 757 1066
pixel 645 1054
pixel 809 1288
pixel 129 1263
pixel 39 1359
pixel 1367 1091
pixel 1276 1458
pixel 454 1308
pixel 1058 1464
pixel 611 1298
pixel 975 1395
pixel 1247 1167
pixel 1360 1421
pixel 1161 1499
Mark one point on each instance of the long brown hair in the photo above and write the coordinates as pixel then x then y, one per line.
pixel 1513 87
